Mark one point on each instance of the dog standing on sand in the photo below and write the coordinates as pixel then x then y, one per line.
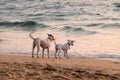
pixel 63 47
pixel 44 44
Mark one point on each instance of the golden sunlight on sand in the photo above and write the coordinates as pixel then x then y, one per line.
pixel 26 68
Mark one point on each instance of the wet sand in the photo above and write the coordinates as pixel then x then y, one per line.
pixel 17 67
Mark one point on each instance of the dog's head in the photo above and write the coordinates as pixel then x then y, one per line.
pixel 70 42
pixel 51 37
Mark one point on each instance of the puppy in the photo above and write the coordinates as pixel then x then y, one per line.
pixel 63 47
pixel 43 43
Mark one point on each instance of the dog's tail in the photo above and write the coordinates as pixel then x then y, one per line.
pixel 31 35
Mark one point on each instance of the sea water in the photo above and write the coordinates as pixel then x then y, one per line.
pixel 93 24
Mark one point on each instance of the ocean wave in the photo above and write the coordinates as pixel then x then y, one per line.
pixel 104 25
pixel 94 24
pixel 113 25
pixel 77 30
pixel 1 40
pixel 68 28
pixel 25 25
pixel 117 5
pixel 40 14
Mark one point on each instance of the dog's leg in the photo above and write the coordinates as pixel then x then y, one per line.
pixel 56 50
pixel 64 53
pixel 59 53
pixel 33 49
pixel 48 52
pixel 67 55
pixel 43 53
pixel 38 49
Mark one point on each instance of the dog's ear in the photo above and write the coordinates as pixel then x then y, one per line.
pixel 48 34
pixel 68 40
pixel 73 40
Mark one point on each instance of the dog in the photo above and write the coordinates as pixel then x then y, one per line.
pixel 63 47
pixel 44 44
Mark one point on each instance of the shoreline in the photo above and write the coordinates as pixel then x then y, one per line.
pixel 24 67
pixel 72 56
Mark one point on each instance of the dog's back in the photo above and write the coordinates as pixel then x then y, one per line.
pixel 44 44
pixel 60 47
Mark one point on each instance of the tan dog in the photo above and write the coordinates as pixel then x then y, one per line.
pixel 44 44
pixel 63 47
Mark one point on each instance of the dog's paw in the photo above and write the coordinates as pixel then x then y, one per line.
pixel 32 56
pixel 59 57
pixel 37 56
pixel 67 57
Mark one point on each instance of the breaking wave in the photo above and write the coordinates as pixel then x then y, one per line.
pixel 104 25
pixel 77 30
pixel 26 25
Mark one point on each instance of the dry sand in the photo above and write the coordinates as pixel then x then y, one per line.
pixel 16 67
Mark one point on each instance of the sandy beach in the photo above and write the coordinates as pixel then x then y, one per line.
pixel 94 25
pixel 17 67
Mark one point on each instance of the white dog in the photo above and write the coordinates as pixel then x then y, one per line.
pixel 44 44
pixel 63 47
